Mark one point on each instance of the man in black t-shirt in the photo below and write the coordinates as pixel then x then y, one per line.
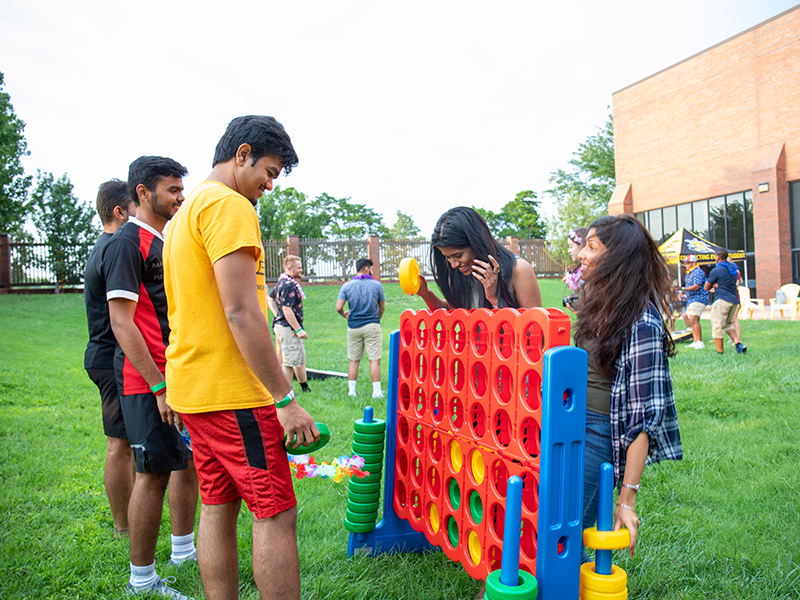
pixel 726 301
pixel 114 206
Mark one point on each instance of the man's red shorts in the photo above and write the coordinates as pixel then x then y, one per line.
pixel 240 454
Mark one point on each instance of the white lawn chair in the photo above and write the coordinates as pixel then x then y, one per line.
pixel 791 290
pixel 750 304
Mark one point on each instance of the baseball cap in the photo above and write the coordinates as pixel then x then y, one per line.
pixel 690 259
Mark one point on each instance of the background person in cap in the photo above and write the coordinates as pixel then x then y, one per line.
pixel 366 301
pixel 696 300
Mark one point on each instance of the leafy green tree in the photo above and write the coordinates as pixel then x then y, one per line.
pixel 519 218
pixel 14 183
pixel 582 193
pixel 67 226
pixel 404 228
pixel 288 211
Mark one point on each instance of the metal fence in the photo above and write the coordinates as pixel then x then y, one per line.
pixel 393 251
pixel 40 265
pixel 331 260
pixel 274 254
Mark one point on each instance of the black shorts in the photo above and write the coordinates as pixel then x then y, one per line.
pixel 157 446
pixel 106 382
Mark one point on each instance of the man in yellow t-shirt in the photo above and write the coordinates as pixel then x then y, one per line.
pixel 223 377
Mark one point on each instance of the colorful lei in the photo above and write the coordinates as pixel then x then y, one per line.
pixel 305 465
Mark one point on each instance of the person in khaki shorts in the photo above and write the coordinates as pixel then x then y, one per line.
pixel 696 300
pixel 366 301
pixel 724 307
pixel 287 325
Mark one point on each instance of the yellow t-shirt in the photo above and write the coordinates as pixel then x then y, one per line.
pixel 205 369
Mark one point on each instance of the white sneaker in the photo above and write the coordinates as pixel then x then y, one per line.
pixel 698 345
pixel 692 345
pixel 351 394
pixel 377 394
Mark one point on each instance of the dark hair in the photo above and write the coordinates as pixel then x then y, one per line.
pixel 362 262
pixel 110 195
pixel 629 275
pixel 723 254
pixel 266 137
pixel 148 171
pixel 463 227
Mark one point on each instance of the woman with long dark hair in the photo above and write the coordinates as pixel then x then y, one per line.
pixel 631 418
pixel 473 270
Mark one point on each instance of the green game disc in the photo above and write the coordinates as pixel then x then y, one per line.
pixel 361 448
pixel 377 426
pixel 357 507
pixel 369 438
pixel 354 517
pixel 359 527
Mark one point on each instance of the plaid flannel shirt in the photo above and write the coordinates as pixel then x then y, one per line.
pixel 641 395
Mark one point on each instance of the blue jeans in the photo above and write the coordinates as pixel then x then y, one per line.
pixel 598 451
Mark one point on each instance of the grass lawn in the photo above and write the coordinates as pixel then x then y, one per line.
pixel 722 523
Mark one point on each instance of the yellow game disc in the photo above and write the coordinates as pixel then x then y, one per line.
pixel 605 584
pixel 409 276
pixel 606 540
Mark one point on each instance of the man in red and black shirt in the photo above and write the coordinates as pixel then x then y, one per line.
pixel 137 304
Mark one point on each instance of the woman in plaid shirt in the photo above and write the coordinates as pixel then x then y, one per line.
pixel 631 418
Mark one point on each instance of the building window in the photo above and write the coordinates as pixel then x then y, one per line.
pixel 794 212
pixel 700 218
pixel 726 221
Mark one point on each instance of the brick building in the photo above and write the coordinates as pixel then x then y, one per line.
pixel 713 144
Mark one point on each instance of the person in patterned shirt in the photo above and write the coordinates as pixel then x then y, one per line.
pixel 288 323
pixel 696 300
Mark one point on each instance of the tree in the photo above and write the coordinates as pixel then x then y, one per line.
pixel 404 228
pixel 519 218
pixel 67 226
pixel 287 211
pixel 582 193
pixel 14 183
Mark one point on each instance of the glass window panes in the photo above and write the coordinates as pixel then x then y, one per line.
pixel 735 215
pixel 642 218
pixel 716 221
pixel 670 222
pixel 751 269
pixel 794 209
pixel 655 225
pixel 750 244
pixel 700 218
pixel 685 216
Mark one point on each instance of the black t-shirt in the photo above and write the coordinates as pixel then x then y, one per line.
pixel 726 284
pixel 100 349
pixel 287 293
pixel 133 269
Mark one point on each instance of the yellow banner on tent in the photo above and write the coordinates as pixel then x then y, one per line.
pixel 684 242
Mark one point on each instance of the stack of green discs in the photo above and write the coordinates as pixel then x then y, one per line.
pixel 363 494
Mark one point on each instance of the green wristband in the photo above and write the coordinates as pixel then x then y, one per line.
pixel 158 387
pixel 289 397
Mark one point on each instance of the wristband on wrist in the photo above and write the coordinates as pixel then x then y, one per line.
pixel 159 388
pixel 289 397
pixel 296 331
pixel 630 508
pixel 635 488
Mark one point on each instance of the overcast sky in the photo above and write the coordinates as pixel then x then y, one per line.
pixel 416 106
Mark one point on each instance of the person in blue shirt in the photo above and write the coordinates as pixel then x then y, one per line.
pixel 366 301
pixel 696 300
pixel 725 304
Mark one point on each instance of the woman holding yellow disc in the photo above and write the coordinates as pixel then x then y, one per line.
pixel 473 270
